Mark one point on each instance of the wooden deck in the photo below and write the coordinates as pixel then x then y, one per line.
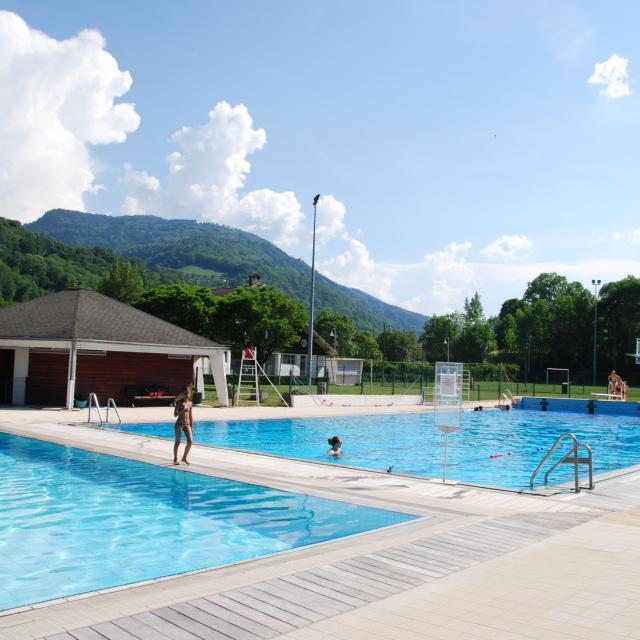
pixel 275 607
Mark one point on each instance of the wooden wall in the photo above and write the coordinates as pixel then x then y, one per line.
pixel 47 378
pixel 106 375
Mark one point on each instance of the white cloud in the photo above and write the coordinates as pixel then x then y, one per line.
pixel 507 248
pixel 630 237
pixel 355 268
pixel 613 74
pixel 206 176
pixel 331 214
pixel 56 100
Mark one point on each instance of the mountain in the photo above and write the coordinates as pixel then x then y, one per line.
pixel 32 264
pixel 210 254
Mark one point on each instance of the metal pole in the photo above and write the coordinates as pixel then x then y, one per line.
pixel 313 287
pixel 596 284
pixel 444 466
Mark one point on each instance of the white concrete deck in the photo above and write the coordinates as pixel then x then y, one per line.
pixel 581 582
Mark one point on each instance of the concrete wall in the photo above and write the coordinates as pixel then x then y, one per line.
pixel 339 400
pixel 605 407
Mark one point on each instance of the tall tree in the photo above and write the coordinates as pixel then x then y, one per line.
pixel 366 346
pixel 619 311
pixel 399 346
pixel 260 317
pixel 478 338
pixel 185 305
pixel 123 282
pixel 439 333
pixel 338 330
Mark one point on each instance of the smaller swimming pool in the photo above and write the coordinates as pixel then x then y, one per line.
pixel 73 521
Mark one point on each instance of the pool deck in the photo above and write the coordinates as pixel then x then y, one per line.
pixel 485 564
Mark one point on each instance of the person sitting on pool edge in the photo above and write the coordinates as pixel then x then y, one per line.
pixel 335 443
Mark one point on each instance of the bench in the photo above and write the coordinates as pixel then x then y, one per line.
pixel 144 394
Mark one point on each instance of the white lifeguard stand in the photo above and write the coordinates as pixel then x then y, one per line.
pixel 248 384
pixel 447 403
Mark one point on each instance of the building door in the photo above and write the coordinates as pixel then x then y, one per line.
pixel 6 376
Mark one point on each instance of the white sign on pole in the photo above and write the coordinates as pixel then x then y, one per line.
pixel 447 402
pixel 637 350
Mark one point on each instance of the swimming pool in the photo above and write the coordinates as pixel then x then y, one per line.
pixel 73 521
pixel 410 443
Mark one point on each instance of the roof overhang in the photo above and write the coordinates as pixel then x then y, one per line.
pixel 97 345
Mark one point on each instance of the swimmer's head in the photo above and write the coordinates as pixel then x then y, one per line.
pixel 334 441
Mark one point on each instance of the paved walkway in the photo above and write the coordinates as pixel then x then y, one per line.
pixel 272 608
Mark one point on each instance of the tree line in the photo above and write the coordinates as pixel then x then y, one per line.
pixel 552 325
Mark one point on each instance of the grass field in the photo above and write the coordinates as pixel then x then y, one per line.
pixel 482 391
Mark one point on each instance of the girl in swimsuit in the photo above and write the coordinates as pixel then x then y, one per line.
pixel 184 423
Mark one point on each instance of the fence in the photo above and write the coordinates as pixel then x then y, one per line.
pixel 485 385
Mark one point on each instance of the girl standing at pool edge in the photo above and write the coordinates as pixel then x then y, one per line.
pixel 184 413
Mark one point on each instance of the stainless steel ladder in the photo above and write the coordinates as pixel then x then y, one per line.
pixel 111 403
pixel 571 457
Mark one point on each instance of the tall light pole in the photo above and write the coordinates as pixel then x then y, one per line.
pixel 313 287
pixel 596 284
pixel 446 341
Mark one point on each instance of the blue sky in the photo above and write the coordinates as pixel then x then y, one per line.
pixel 459 146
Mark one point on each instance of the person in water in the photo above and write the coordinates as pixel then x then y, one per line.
pixel 184 423
pixel 335 443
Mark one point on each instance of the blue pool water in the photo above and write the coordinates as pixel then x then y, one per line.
pixel 73 521
pixel 411 444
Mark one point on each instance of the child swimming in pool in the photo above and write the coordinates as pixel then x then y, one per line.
pixel 184 414
pixel 335 443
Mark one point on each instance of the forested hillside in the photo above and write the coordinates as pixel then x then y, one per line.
pixel 32 264
pixel 210 254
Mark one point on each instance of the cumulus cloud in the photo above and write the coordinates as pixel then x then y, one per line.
pixel 205 178
pixel 355 268
pixel 507 248
pixel 613 74
pixel 57 98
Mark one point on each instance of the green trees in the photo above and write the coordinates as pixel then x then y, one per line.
pixel 338 330
pixel 462 337
pixel 123 282
pixel 399 346
pixel 260 317
pixel 366 346
pixel 478 338
pixel 185 305
pixel 440 331
pixel 619 319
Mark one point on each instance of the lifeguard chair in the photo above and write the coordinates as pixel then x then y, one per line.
pixel 248 390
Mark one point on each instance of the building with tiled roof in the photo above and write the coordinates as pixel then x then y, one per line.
pixel 77 341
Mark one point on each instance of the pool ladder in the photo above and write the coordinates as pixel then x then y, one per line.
pixel 571 457
pixel 111 404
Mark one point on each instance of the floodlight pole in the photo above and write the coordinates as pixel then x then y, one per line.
pixel 313 287
pixel 595 284
pixel 446 341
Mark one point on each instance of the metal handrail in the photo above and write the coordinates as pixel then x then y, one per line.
pixel 567 459
pixel 93 399
pixel 112 403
